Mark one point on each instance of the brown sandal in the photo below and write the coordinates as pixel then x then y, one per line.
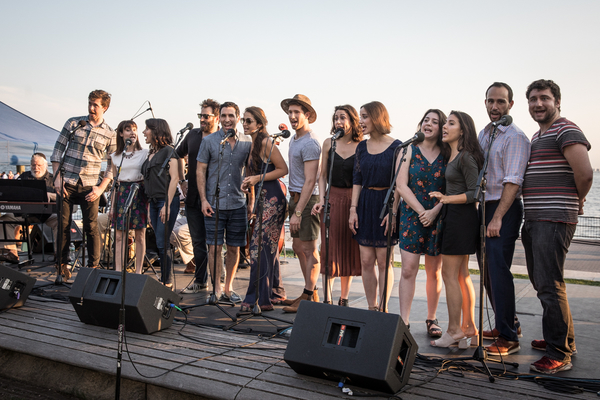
pixel 433 328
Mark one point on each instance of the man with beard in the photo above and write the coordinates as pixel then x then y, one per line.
pixel 190 146
pixel 92 141
pixel 557 179
pixel 507 160
pixel 223 157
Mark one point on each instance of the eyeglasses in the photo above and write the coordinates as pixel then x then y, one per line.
pixel 247 121
pixel 205 116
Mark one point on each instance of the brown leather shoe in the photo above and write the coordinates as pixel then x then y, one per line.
pixel 502 347
pixel 190 268
pixel 294 307
pixel 495 333
pixel 289 302
pixel 64 271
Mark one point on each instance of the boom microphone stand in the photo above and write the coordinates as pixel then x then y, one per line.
pixel 258 211
pixel 480 353
pixel 121 329
pixel 327 217
pixel 212 300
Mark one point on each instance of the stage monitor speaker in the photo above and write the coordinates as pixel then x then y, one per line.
pixel 14 287
pixel 41 235
pixel 96 297
pixel 369 349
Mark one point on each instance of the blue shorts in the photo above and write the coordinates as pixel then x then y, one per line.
pixel 234 222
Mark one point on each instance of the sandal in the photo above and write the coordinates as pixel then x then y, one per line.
pixel 433 329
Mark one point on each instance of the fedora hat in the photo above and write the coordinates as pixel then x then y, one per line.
pixel 305 101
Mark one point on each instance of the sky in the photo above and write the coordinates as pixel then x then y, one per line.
pixel 409 55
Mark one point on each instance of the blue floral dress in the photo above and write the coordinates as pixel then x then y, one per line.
pixel 423 178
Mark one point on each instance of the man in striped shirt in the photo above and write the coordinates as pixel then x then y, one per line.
pixel 92 140
pixel 507 160
pixel 557 179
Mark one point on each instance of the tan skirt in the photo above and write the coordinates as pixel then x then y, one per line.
pixel 344 252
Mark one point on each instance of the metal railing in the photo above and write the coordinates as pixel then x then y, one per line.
pixel 588 227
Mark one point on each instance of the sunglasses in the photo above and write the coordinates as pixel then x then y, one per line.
pixel 205 116
pixel 247 121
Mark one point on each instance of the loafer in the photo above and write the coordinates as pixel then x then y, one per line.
pixel 502 347
pixel 190 268
pixel 549 366
pixel 495 333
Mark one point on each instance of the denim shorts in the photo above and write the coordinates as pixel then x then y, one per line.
pixel 232 225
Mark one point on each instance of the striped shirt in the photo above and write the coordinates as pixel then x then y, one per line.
pixel 90 146
pixel 549 190
pixel 508 159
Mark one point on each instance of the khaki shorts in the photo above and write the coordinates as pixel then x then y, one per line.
pixel 310 225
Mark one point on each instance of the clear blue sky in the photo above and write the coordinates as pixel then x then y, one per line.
pixel 409 55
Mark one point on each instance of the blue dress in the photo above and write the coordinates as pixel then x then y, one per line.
pixel 274 206
pixel 423 178
pixel 373 171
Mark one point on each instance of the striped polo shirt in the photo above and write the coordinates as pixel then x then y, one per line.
pixel 549 191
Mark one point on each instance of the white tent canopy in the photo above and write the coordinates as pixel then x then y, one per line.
pixel 21 136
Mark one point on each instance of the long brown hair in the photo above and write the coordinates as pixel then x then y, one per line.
pixel 356 131
pixel 120 141
pixel 261 134
pixel 468 141
pixel 444 148
pixel 161 134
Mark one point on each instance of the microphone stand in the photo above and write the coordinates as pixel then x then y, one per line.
pixel 258 211
pixel 388 204
pixel 60 196
pixel 121 328
pixel 115 191
pixel 167 242
pixel 327 218
pixel 480 353
pixel 212 299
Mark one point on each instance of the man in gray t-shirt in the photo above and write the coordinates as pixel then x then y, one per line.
pixel 231 201
pixel 304 154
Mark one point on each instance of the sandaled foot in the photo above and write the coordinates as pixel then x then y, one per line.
pixel 433 328
pixel 447 340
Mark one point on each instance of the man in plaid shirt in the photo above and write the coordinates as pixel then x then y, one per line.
pixel 92 141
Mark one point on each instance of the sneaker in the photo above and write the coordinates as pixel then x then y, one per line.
pixel 547 365
pixel 541 345
pixel 495 333
pixel 194 288
pixel 502 347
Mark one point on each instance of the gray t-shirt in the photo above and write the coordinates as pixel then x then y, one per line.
pixel 461 176
pixel 303 149
pixel 234 161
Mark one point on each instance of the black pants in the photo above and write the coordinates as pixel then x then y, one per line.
pixel 76 195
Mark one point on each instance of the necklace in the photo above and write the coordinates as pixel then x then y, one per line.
pixel 128 156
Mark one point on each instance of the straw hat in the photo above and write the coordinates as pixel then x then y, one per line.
pixel 305 101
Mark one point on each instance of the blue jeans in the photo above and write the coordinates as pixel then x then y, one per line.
pixel 546 245
pixel 498 278
pixel 166 266
pixel 195 220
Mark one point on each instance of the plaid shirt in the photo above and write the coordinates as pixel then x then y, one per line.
pixel 508 159
pixel 90 146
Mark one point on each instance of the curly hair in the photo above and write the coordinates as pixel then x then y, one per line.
pixel 161 134
pixel 445 149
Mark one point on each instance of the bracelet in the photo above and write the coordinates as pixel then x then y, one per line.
pixel 182 181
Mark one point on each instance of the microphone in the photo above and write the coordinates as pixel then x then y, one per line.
pixel 228 134
pixel 134 189
pixel 128 142
pixel 186 128
pixel 339 132
pixel 505 121
pixel 79 125
pixel 150 108
pixel 283 134
pixel 418 138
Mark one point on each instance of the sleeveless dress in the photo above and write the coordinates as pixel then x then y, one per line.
pixel 423 178
pixel 274 206
pixel 373 171
pixel 344 253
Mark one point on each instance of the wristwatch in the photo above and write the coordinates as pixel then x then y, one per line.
pixel 298 214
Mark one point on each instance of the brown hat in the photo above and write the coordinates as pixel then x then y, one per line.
pixel 305 101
